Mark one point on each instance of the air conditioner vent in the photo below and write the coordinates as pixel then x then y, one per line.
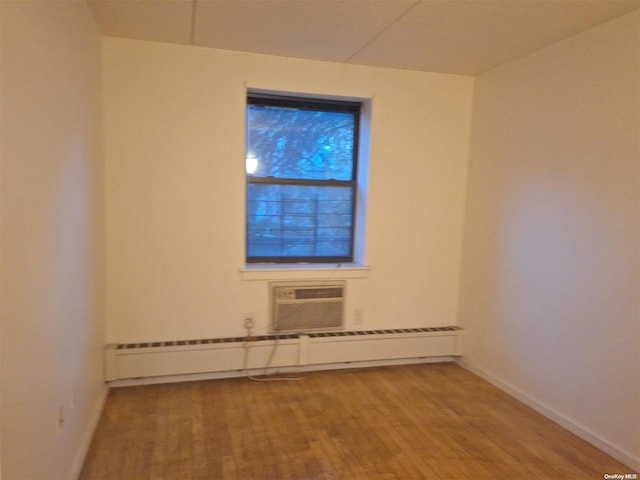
pixel 322 292
pixel 306 307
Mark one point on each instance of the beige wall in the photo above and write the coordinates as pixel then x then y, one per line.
pixel 551 271
pixel 175 189
pixel 52 330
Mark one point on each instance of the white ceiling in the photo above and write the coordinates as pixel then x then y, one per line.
pixel 450 36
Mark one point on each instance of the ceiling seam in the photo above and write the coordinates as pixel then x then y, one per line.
pixel 377 35
pixel 193 21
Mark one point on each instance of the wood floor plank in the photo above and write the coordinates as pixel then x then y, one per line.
pixel 432 421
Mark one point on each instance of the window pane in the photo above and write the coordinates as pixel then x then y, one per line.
pixel 307 144
pixel 299 221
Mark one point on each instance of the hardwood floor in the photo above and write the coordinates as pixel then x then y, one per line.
pixel 432 421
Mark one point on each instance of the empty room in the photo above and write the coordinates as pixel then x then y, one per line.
pixel 319 239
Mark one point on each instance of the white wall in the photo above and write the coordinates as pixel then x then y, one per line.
pixel 52 328
pixel 550 274
pixel 175 189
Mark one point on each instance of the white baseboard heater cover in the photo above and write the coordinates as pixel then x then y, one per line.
pixel 236 354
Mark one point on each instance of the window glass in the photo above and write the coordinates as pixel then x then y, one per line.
pixel 299 221
pixel 301 180
pixel 291 143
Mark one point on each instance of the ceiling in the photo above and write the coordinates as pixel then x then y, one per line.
pixel 450 36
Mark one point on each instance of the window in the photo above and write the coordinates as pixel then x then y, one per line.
pixel 301 170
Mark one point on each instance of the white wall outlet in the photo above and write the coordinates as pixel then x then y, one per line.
pixel 248 320
pixel 358 317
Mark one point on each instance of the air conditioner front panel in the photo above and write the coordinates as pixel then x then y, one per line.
pixel 305 308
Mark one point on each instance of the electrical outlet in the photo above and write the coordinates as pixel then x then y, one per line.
pixel 247 320
pixel 358 317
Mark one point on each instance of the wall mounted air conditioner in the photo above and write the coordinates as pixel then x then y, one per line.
pixel 307 306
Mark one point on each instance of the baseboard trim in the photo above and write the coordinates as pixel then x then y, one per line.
pixel 562 420
pixel 85 444
pixel 274 371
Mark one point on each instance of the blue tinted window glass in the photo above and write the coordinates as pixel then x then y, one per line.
pixel 299 221
pixel 296 143
pixel 301 179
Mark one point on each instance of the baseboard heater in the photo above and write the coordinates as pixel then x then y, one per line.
pixel 235 355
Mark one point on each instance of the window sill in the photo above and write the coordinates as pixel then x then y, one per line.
pixel 303 272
